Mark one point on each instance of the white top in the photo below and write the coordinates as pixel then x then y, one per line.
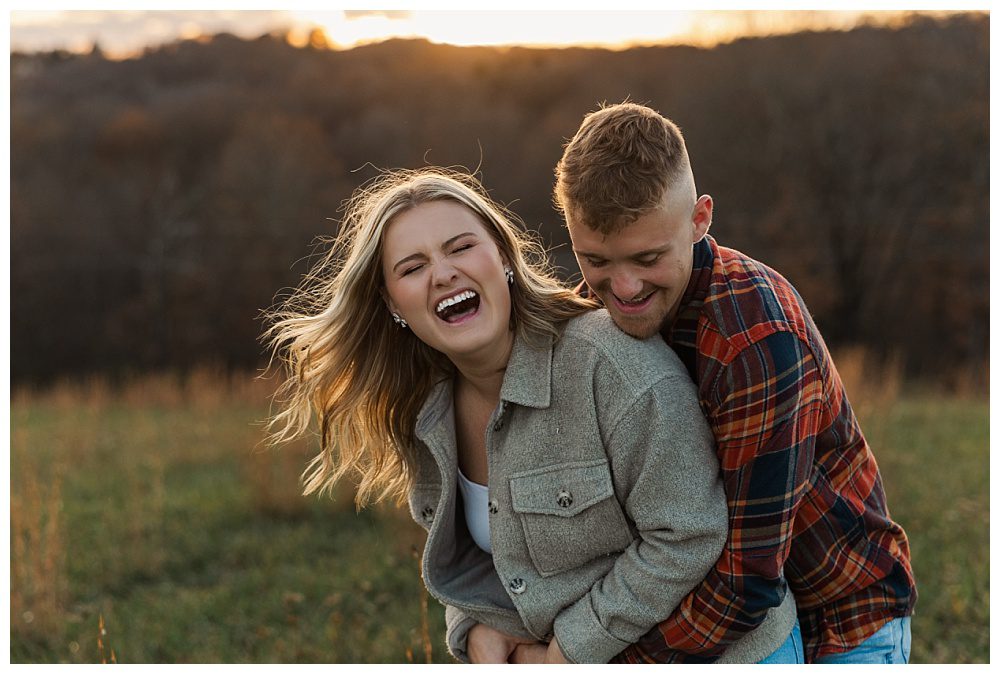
pixel 476 498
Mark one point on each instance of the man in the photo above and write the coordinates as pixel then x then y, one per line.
pixel 807 510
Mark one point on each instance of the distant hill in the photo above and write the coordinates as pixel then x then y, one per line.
pixel 158 203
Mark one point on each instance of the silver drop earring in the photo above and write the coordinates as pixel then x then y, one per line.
pixel 401 322
pixel 509 273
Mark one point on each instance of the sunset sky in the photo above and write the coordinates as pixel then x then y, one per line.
pixel 125 32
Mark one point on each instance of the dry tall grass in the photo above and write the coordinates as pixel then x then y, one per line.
pixel 102 634
pixel 138 457
pixel 873 385
pixel 37 560
pixel 135 461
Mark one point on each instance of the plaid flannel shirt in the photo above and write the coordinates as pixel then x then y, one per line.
pixel 807 511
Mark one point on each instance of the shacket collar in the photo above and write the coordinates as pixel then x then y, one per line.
pixel 528 379
pixel 527 382
pixel 437 404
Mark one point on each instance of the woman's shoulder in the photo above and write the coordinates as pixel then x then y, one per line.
pixel 595 335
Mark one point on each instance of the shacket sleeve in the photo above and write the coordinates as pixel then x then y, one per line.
pixel 457 626
pixel 661 451
pixel 767 410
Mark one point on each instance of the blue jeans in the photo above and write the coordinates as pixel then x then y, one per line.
pixel 789 653
pixel 889 646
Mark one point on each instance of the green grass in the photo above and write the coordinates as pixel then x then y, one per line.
pixel 151 508
pixel 195 546
pixel 934 456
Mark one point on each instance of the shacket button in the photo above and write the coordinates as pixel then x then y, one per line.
pixel 517 586
pixel 493 507
pixel 564 498
pixel 498 424
pixel 427 513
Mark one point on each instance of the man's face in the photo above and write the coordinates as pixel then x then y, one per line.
pixel 641 271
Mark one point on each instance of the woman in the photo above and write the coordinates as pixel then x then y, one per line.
pixel 562 469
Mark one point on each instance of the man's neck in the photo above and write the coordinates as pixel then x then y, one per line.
pixel 691 300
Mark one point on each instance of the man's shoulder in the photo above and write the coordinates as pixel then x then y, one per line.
pixel 747 300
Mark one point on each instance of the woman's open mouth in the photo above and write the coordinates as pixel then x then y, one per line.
pixel 458 308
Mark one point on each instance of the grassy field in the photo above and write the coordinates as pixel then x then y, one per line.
pixel 148 525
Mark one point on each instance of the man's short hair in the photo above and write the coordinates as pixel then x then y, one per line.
pixel 618 166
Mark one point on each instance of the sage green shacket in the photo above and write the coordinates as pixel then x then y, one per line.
pixel 605 499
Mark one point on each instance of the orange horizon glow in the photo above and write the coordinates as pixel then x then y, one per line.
pixel 549 29
pixel 125 34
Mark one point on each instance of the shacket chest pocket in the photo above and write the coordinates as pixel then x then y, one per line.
pixel 569 514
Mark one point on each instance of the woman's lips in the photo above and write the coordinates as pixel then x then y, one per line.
pixel 463 318
pixel 459 307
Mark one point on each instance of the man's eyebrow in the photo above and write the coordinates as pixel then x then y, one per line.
pixel 642 253
pixel 652 251
pixel 582 252
pixel 420 256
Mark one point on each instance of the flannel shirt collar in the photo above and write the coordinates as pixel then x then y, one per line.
pixel 705 252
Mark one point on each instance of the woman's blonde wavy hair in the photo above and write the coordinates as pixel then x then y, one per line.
pixel 365 378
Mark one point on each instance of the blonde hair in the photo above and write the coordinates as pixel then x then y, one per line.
pixel 365 378
pixel 618 166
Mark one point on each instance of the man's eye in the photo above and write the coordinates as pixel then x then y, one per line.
pixel 595 262
pixel 648 261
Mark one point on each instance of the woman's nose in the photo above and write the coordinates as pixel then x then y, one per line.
pixel 442 272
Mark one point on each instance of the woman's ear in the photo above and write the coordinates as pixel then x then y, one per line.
pixel 387 300
pixel 504 259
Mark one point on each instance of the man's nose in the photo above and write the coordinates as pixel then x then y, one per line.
pixel 625 285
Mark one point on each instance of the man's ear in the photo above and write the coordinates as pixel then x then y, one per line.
pixel 702 217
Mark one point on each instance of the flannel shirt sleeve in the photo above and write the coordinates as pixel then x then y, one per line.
pixel 767 408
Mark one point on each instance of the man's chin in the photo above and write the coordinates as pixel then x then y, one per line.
pixel 640 327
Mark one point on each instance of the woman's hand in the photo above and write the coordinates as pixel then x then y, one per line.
pixel 554 654
pixel 529 654
pixel 538 653
pixel 488 645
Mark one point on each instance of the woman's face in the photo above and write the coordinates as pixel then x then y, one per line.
pixel 444 275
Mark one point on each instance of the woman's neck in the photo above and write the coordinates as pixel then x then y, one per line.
pixel 483 374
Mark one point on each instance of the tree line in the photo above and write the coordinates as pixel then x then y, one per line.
pixel 159 203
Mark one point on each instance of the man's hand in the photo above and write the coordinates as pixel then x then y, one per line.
pixel 488 645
